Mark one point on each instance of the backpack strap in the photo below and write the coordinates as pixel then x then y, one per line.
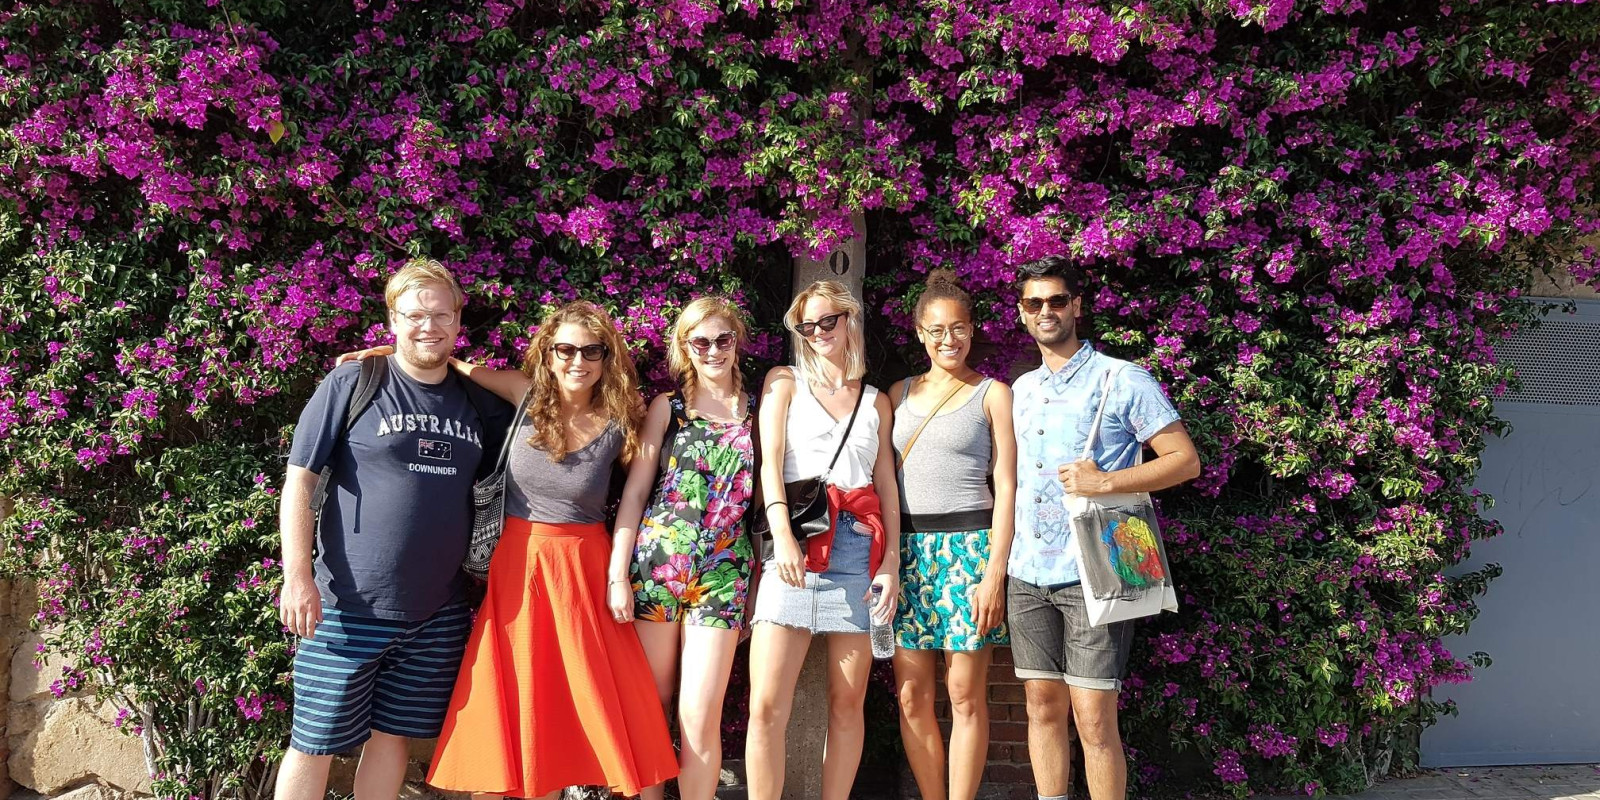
pixel 755 469
pixel 675 422
pixel 373 373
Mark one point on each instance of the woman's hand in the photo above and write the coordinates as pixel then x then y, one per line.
pixel 619 595
pixel 989 603
pixel 787 559
pixel 380 350
pixel 883 611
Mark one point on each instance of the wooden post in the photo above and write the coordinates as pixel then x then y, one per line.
pixel 808 723
pixel 846 264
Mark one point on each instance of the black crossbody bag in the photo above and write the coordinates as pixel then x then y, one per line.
pixel 807 498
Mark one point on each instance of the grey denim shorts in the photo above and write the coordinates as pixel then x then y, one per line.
pixel 1051 638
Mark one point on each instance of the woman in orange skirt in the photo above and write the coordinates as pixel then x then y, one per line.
pixel 555 690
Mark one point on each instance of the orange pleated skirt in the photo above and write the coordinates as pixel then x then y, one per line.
pixel 553 691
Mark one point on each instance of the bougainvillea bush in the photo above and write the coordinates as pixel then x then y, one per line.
pixel 1309 219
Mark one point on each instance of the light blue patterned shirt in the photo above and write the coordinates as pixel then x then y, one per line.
pixel 1053 412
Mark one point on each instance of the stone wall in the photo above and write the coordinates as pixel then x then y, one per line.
pixel 1564 286
pixel 53 745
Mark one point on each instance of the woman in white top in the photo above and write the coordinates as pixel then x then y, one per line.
pixel 824 584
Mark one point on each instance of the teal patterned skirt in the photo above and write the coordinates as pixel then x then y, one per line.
pixel 939 572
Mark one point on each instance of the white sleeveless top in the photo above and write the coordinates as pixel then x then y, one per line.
pixel 811 435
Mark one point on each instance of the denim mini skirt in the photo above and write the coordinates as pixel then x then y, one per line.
pixel 834 601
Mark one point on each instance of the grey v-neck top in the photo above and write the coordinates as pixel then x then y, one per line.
pixel 570 490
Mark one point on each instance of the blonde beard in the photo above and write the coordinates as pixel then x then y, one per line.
pixel 421 360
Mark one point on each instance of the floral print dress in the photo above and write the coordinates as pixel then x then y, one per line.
pixel 692 561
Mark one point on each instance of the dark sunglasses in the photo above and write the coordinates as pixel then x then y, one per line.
pixel 591 352
pixel 1034 305
pixel 723 343
pixel 827 323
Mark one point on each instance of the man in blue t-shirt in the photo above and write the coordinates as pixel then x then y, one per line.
pixel 1069 668
pixel 381 610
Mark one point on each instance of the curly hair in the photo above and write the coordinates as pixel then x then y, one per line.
pixel 679 361
pixel 616 396
pixel 942 285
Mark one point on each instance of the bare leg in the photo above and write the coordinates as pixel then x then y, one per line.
pixel 707 660
pixel 302 776
pixel 1105 766
pixel 776 655
pixel 382 769
pixel 849 666
pixel 660 640
pixel 967 678
pixel 919 727
pixel 1049 717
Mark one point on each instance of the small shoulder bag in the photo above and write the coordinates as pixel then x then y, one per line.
pixel 489 504
pixel 807 498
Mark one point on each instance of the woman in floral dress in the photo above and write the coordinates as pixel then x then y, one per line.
pixel 687 583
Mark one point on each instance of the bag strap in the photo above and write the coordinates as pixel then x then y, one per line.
pixel 905 452
pixel 373 372
pixel 1099 414
pixel 847 427
pixel 511 432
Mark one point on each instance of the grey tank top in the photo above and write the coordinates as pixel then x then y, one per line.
pixel 570 490
pixel 945 486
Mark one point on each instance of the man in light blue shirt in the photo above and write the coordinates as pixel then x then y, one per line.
pixel 1069 668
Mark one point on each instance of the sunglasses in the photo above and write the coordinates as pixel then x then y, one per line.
pixel 1034 305
pixel 828 323
pixel 591 352
pixel 723 343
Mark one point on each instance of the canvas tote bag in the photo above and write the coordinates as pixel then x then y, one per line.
pixel 1120 555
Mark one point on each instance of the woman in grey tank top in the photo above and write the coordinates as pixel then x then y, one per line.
pixel 554 690
pixel 950 425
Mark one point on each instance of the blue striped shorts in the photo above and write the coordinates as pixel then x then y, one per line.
pixel 359 674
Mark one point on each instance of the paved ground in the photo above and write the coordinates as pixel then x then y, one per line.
pixel 1573 782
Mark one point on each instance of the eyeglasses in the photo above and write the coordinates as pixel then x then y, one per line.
pixel 1034 305
pixel 828 323
pixel 440 319
pixel 723 343
pixel 938 332
pixel 591 352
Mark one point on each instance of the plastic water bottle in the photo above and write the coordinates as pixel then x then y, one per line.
pixel 882 632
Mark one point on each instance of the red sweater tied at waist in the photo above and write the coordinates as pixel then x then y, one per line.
pixel 863 503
